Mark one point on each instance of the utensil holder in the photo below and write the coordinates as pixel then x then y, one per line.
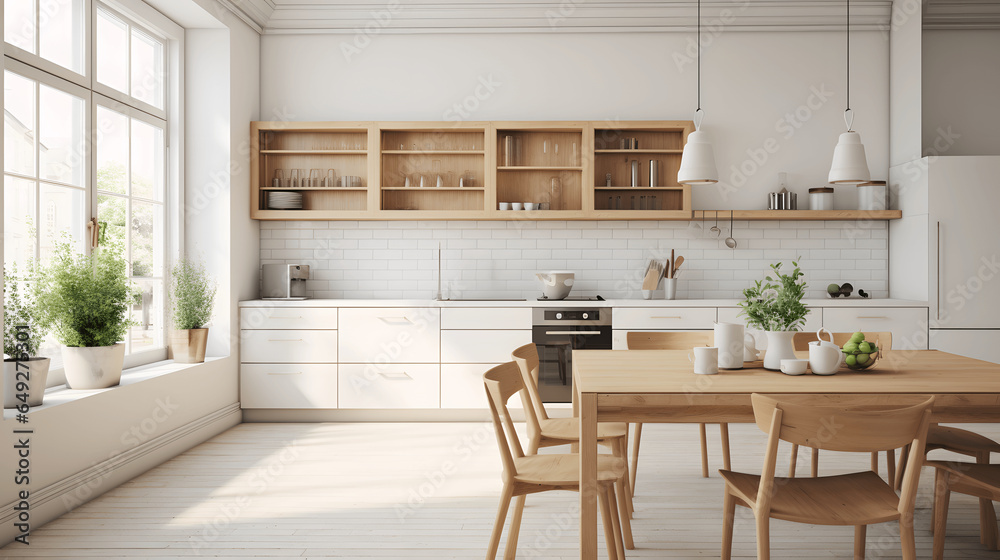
pixel 669 288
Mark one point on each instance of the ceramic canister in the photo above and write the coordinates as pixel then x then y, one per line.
pixel 729 340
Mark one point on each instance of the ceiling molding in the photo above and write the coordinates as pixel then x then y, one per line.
pixel 961 14
pixel 255 13
pixel 535 16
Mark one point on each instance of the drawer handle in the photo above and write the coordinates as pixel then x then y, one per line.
pixel 285 317
pixel 666 317
pixel 870 317
pixel 285 340
pixel 560 333
pixel 396 320
pixel 395 376
pixel 284 373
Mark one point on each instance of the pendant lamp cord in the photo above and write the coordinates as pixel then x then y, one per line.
pixel 848 55
pixel 699 55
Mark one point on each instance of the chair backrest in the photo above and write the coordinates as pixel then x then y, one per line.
pixel 675 340
pixel 526 358
pixel 501 383
pixel 843 428
pixel 801 340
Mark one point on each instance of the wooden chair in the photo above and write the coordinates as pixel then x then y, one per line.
pixel 530 474
pixel 679 340
pixel 547 432
pixel 857 499
pixel 972 445
pixel 801 342
pixel 979 480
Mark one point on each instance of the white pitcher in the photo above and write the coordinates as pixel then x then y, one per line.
pixel 729 341
pixel 825 357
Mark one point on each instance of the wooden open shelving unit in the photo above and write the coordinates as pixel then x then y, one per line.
pixel 564 166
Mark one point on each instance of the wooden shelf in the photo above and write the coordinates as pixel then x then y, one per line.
pixel 674 188
pixel 538 168
pixel 833 215
pixel 639 151
pixel 435 152
pixel 315 152
pixel 315 189
pixel 433 189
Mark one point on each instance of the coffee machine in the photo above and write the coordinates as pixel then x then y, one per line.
pixel 284 281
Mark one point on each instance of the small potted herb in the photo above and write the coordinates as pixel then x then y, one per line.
pixel 775 306
pixel 25 373
pixel 86 299
pixel 192 296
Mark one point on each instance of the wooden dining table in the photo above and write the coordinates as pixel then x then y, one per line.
pixel 660 386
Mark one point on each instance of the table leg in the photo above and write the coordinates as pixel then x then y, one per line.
pixel 588 476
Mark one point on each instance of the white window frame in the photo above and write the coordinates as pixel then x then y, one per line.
pixel 139 15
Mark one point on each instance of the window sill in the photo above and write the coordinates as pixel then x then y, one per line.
pixel 61 394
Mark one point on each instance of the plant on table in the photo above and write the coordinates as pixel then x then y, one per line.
pixel 775 306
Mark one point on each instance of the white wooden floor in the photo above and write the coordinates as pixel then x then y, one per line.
pixel 430 491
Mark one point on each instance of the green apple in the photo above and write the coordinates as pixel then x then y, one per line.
pixel 865 347
pixel 861 359
pixel 833 289
pixel 851 348
pixel 858 337
pixel 851 360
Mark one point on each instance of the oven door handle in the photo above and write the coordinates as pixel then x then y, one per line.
pixel 560 333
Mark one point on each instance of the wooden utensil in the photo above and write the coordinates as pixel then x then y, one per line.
pixel 673 265
pixel 677 264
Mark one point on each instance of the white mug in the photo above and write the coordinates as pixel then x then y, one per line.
pixel 825 358
pixel 749 348
pixel 729 341
pixel 517 205
pixel 705 359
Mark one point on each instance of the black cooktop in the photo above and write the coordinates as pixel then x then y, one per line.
pixel 574 298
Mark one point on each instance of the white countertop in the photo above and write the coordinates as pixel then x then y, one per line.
pixel 829 302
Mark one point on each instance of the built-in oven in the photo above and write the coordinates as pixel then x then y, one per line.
pixel 556 332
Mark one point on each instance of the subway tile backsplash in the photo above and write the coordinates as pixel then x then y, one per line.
pixel 487 259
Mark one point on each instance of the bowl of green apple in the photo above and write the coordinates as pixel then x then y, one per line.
pixel 860 354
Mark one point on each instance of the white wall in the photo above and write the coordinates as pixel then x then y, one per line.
pixel 904 82
pixel 751 82
pixel 961 78
pixel 398 260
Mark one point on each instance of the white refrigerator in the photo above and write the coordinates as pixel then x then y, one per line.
pixel 963 257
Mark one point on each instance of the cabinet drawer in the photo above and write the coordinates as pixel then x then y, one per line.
pixel 462 387
pixel 619 338
pixel 908 325
pixel 302 318
pixel 390 335
pixel 663 318
pixel 288 346
pixel 486 318
pixel 480 346
pixel 390 386
pixel 288 386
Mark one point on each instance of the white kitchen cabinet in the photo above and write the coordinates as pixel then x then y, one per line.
pixel 462 387
pixel 288 346
pixel 297 318
pixel 503 318
pixel 288 386
pixel 389 386
pixel 981 344
pixel 390 335
pixel 908 325
pixel 481 346
pixel 663 318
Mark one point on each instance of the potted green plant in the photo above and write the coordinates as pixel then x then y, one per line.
pixel 86 299
pixel 775 306
pixel 25 373
pixel 192 295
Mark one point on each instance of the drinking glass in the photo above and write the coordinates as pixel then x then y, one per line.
pixel 468 179
pixel 279 179
pixel 575 154
pixel 293 179
pixel 555 153
pixel 545 152
pixel 314 178
pixel 331 179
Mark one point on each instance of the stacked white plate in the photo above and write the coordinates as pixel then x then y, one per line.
pixel 278 200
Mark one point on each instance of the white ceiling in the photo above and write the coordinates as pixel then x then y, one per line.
pixel 505 16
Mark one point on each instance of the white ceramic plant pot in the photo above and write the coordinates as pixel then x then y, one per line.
pixel 34 372
pixel 779 347
pixel 93 367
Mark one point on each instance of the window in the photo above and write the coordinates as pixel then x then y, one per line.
pixel 82 141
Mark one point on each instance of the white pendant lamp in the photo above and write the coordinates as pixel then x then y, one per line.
pixel 698 160
pixel 850 166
